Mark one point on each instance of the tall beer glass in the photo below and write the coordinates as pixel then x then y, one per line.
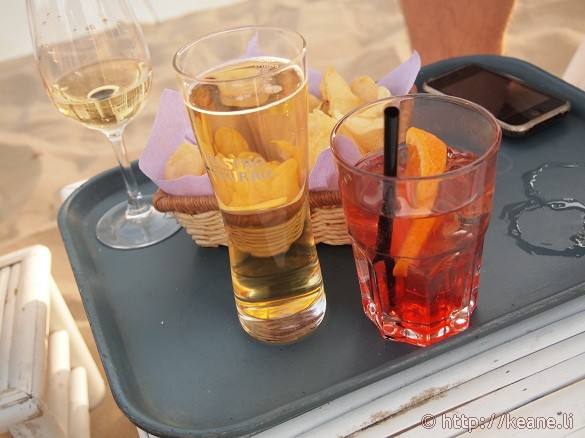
pixel 246 94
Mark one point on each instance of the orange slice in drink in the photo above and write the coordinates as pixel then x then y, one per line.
pixel 426 156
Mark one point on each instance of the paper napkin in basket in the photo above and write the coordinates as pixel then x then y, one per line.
pixel 172 128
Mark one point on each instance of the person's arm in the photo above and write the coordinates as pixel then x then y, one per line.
pixel 440 29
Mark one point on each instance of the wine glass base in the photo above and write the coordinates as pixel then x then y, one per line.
pixel 116 230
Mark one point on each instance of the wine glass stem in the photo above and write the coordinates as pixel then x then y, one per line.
pixel 137 206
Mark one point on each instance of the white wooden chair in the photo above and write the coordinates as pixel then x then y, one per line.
pixel 48 378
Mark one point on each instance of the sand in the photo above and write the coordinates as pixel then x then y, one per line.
pixel 40 151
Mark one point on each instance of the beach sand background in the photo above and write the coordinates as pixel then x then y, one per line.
pixel 41 152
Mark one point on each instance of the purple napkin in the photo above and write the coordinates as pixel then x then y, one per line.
pixel 400 80
pixel 172 127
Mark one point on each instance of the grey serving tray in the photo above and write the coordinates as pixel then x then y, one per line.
pixel 165 325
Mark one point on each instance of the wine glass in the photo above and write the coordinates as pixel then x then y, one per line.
pixel 95 66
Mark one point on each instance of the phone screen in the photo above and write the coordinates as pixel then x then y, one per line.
pixel 508 99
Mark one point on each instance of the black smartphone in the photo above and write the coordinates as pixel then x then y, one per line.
pixel 519 107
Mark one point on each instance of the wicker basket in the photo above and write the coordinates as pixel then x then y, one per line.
pixel 201 218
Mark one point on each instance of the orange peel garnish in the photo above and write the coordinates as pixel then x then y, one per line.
pixel 427 156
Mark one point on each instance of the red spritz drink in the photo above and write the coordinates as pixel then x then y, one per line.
pixel 422 286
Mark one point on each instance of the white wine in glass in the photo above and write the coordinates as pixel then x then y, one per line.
pixel 95 66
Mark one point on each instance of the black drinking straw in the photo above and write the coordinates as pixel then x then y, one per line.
pixel 384 237
pixel 391 114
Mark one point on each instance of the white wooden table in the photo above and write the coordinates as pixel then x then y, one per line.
pixel 531 386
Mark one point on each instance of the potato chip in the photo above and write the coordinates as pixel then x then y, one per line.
pixel 286 149
pixel 365 88
pixel 185 160
pixel 281 188
pixel 365 131
pixel 337 94
pixel 245 93
pixel 228 140
pixel 285 181
pixel 383 92
pixel 339 98
pixel 320 127
pixel 314 102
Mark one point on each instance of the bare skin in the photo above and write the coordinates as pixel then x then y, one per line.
pixel 440 29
